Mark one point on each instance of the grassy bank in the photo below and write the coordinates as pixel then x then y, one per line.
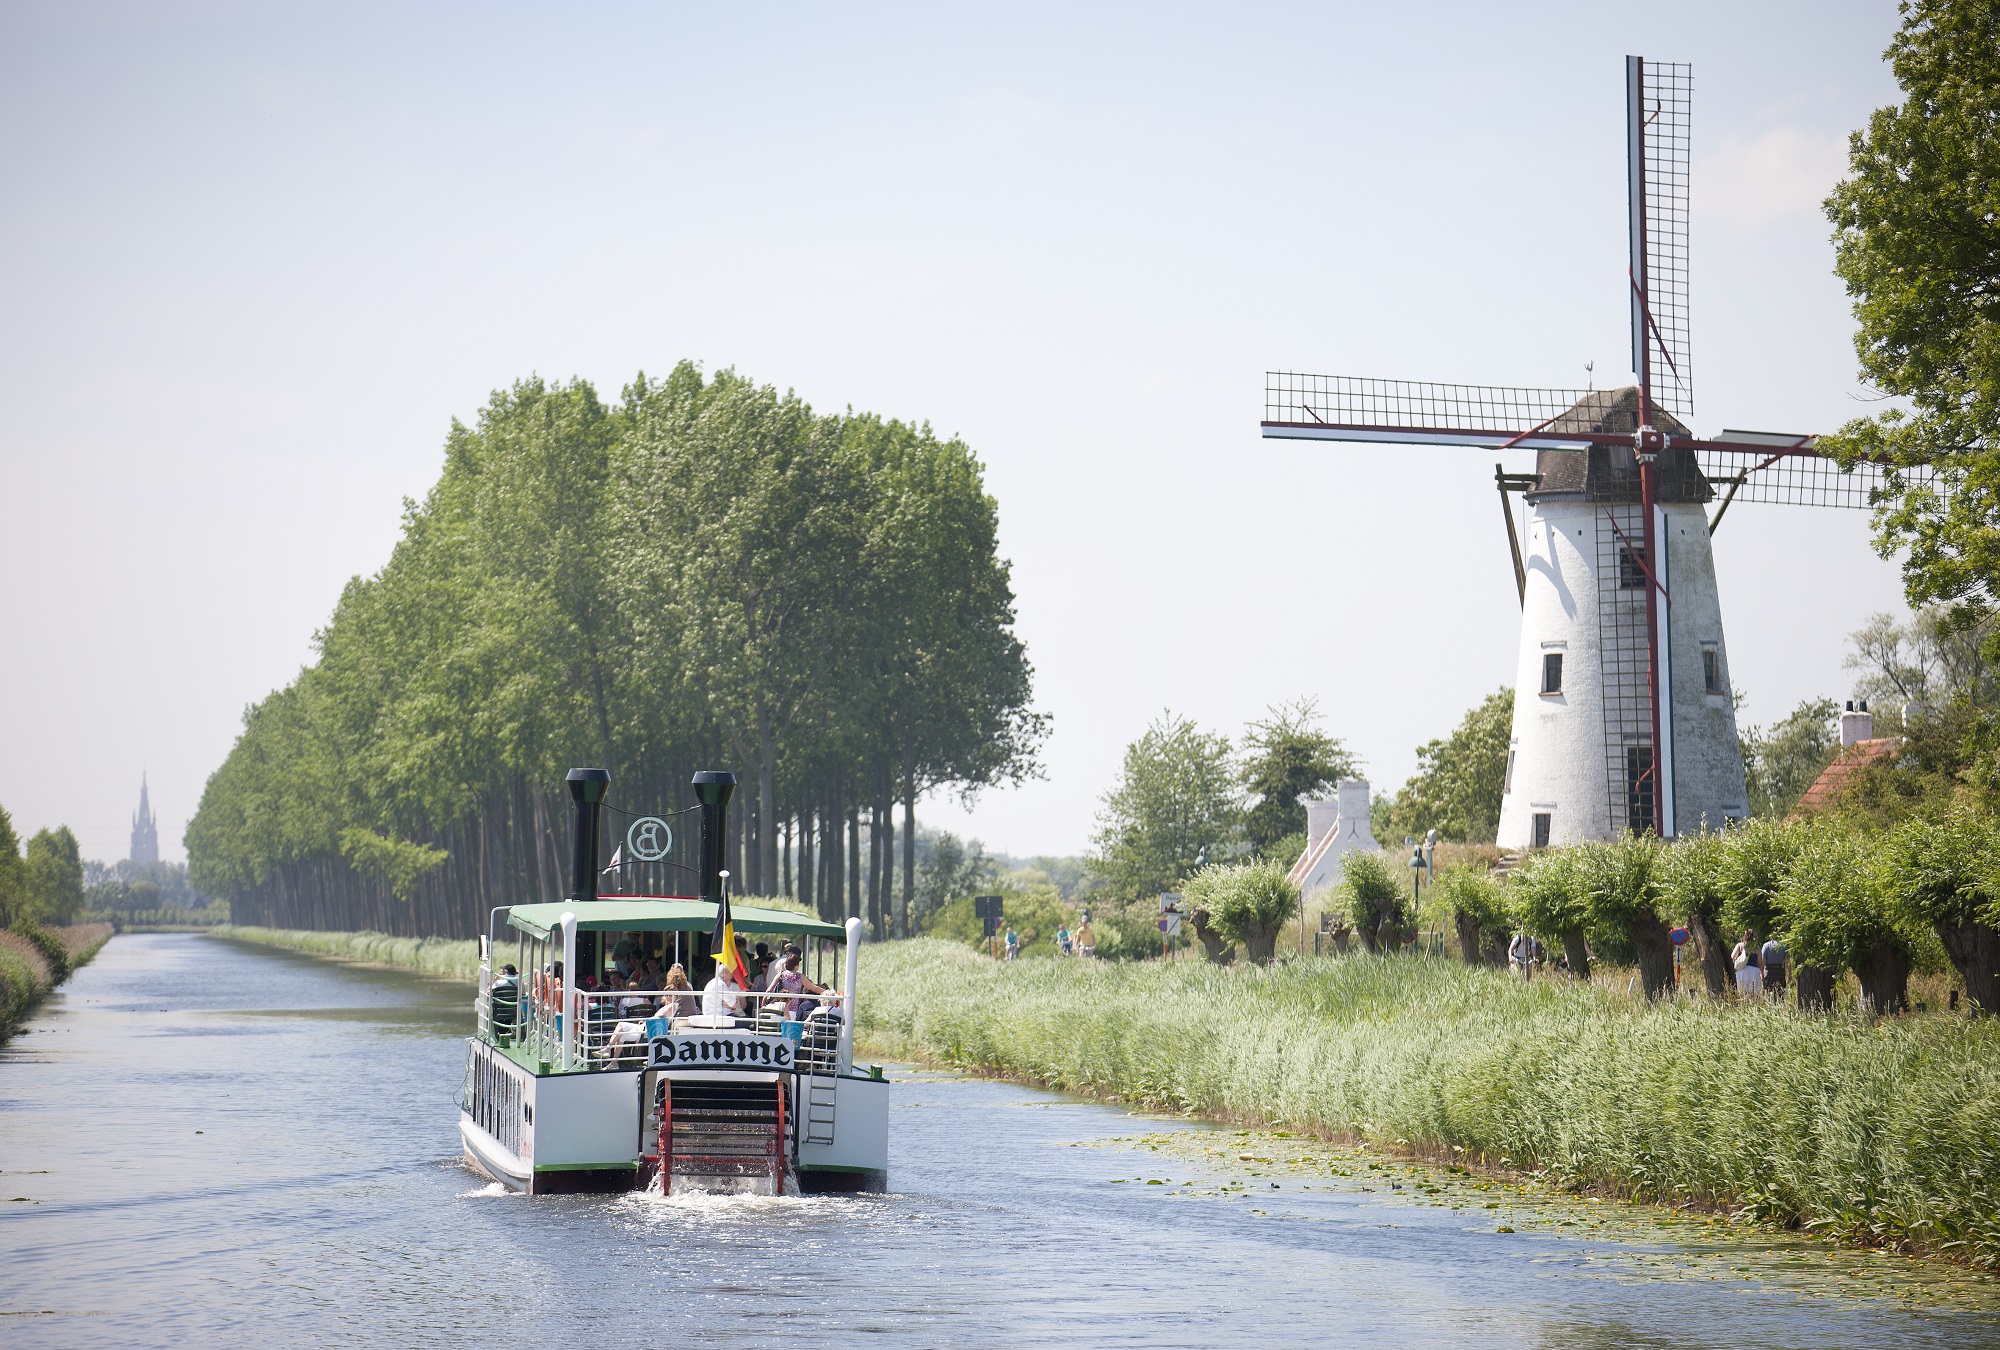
pixel 431 956
pixel 1876 1131
pixel 29 969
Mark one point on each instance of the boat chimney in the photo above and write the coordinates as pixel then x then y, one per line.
pixel 586 790
pixel 712 788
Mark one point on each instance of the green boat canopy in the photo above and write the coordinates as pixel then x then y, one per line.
pixel 627 914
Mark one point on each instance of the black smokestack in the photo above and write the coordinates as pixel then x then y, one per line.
pixel 712 789
pixel 586 789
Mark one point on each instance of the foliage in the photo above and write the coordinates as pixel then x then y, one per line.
pixel 1459 780
pixel 1927 662
pixel 1373 889
pixel 1870 1130
pixel 1826 902
pixel 55 875
pixel 448 957
pixel 1551 893
pixel 1034 913
pixel 16 887
pixel 1942 873
pixel 401 863
pixel 1917 243
pixel 708 574
pixel 1174 807
pixel 49 945
pixel 951 871
pixel 1246 902
pixel 33 960
pixel 1286 758
pixel 1779 765
pixel 1472 892
pixel 1756 861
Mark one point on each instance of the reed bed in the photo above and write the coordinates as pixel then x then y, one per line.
pixel 1882 1131
pixel 447 957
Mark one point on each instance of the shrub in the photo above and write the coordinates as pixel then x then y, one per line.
pixel 1551 896
pixel 1476 904
pixel 1623 898
pixel 1833 921
pixel 1943 873
pixel 1035 912
pixel 1693 879
pixel 1374 894
pixel 50 946
pixel 1246 903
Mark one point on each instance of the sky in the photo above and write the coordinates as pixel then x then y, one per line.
pixel 254 259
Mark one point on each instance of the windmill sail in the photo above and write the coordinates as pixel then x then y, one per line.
pixel 1657 98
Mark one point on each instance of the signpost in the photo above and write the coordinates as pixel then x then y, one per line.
pixel 1170 921
pixel 987 909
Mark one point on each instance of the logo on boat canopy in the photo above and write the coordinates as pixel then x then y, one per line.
pixel 650 838
pixel 720 1052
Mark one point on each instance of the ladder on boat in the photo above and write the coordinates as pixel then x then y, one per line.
pixel 820 1095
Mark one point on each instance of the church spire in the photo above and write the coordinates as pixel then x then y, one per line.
pixel 145 831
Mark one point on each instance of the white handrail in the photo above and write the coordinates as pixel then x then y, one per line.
pixel 571 1021
pixel 847 987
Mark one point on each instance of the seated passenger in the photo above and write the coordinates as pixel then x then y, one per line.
pixel 791 980
pixel 504 999
pixel 721 997
pixel 677 1004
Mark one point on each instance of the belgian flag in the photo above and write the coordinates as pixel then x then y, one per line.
pixel 722 942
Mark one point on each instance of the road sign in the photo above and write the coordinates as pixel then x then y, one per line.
pixel 1170 925
pixel 1679 935
pixel 1169 901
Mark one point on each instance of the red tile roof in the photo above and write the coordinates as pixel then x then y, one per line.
pixel 1849 762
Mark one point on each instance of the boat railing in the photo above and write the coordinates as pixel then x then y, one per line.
pixel 612 1027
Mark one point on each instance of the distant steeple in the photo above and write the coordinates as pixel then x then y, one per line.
pixel 145 831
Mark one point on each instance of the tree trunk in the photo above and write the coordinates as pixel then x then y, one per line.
pixel 1496 948
pixel 785 873
pixel 1975 949
pixel 1213 945
pixel 1578 952
pixel 1468 937
pixel 766 870
pixel 1260 944
pixel 875 866
pixel 1815 986
pixel 1884 972
pixel 1366 932
pixel 1714 954
pixel 1655 951
pixel 909 846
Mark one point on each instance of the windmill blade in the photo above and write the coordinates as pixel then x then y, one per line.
pixel 1657 99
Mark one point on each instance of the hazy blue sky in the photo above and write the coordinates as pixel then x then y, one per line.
pixel 258 256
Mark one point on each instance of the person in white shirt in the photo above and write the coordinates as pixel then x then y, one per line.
pixel 720 997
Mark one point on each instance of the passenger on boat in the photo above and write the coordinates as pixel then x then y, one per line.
pixel 791 980
pixel 721 997
pixel 677 1004
pixel 504 999
pixel 626 954
pixel 761 966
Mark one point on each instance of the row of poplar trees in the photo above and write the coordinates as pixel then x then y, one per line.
pixel 707 575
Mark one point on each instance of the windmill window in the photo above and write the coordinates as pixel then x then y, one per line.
pixel 1631 575
pixel 1552 672
pixel 1711 670
pixel 1542 829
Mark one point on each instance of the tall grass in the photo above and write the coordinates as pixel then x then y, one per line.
pixel 432 956
pixel 32 963
pixel 1870 1130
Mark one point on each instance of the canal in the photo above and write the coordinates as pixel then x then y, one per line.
pixel 205 1143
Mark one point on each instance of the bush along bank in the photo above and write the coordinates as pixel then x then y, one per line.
pixel 34 960
pixel 453 959
pixel 1870 1130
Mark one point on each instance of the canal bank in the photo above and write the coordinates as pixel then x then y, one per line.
pixel 198 1163
pixel 34 960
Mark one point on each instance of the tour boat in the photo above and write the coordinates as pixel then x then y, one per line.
pixel 570 1088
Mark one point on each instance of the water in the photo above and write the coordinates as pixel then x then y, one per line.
pixel 223 1145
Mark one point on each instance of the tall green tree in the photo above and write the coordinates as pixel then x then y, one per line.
pixel 1917 241
pixel 54 867
pixel 1174 807
pixel 1781 763
pixel 1287 757
pixel 16 893
pixel 1461 778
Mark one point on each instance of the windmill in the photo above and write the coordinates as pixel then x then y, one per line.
pixel 1623 716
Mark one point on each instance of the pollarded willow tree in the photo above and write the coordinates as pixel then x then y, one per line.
pixel 707 574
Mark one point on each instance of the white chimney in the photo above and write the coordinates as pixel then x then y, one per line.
pixel 1320 817
pixel 1856 725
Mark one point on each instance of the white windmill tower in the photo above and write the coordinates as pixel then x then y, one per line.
pixel 1623 717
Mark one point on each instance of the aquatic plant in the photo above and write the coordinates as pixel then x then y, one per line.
pixel 1876 1130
